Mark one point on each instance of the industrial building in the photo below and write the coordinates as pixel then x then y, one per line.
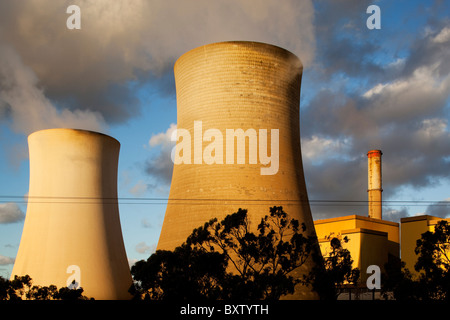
pixel 371 239
pixel 411 230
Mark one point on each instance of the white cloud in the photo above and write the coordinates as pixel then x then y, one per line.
pixel 145 223
pixel 10 212
pixel 143 248
pixel 160 166
pixel 432 129
pixel 131 262
pixel 398 63
pixel 139 188
pixel 320 148
pixel 163 138
pixel 419 95
pixel 377 89
pixel 442 36
pixel 6 260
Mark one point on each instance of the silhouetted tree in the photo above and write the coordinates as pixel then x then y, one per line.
pixel 398 282
pixel 66 293
pixel 433 262
pixel 185 273
pixel 227 260
pixel 333 269
pixel 21 288
pixel 433 266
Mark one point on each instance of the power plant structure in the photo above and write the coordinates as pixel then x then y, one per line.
pixel 238 140
pixel 374 183
pixel 238 146
pixel 372 240
pixel 72 234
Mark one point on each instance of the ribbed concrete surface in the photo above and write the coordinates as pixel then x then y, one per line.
pixel 234 85
pixel 72 215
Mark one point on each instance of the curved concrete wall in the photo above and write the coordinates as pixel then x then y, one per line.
pixel 237 85
pixel 72 215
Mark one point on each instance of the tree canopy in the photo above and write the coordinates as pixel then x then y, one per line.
pixel 433 266
pixel 228 260
pixel 21 287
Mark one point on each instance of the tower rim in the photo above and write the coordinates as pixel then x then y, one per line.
pixel 242 43
pixel 67 130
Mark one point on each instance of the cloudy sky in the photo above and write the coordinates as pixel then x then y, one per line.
pixel 362 89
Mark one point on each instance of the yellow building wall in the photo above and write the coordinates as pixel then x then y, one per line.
pixel 335 226
pixel 370 240
pixel 367 247
pixel 372 249
pixel 411 231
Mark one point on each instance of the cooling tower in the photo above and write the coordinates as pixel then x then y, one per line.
pixel 252 90
pixel 374 184
pixel 72 227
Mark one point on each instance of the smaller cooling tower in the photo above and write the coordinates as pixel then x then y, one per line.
pixel 72 228
pixel 374 184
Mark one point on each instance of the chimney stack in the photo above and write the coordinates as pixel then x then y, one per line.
pixel 375 189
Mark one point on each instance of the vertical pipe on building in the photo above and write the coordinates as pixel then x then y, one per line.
pixel 374 184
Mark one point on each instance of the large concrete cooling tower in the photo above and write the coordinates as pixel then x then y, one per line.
pixel 72 228
pixel 225 90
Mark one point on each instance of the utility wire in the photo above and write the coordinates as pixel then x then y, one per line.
pixel 163 200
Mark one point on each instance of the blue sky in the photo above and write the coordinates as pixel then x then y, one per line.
pixel 362 89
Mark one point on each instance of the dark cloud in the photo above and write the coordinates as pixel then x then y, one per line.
pixel 28 107
pixel 355 103
pixel 337 187
pixel 343 44
pixel 160 165
pixel 6 260
pixel 395 215
pixel 51 76
pixel 398 105
pixel 431 51
pixel 10 213
pixel 439 209
pixel 125 44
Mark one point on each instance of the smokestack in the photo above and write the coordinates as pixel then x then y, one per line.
pixel 375 188
pixel 222 88
pixel 72 229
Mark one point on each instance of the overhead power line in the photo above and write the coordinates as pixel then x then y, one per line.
pixel 164 200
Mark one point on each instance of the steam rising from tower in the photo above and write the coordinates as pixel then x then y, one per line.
pixel 374 182
pixel 237 85
pixel 72 222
